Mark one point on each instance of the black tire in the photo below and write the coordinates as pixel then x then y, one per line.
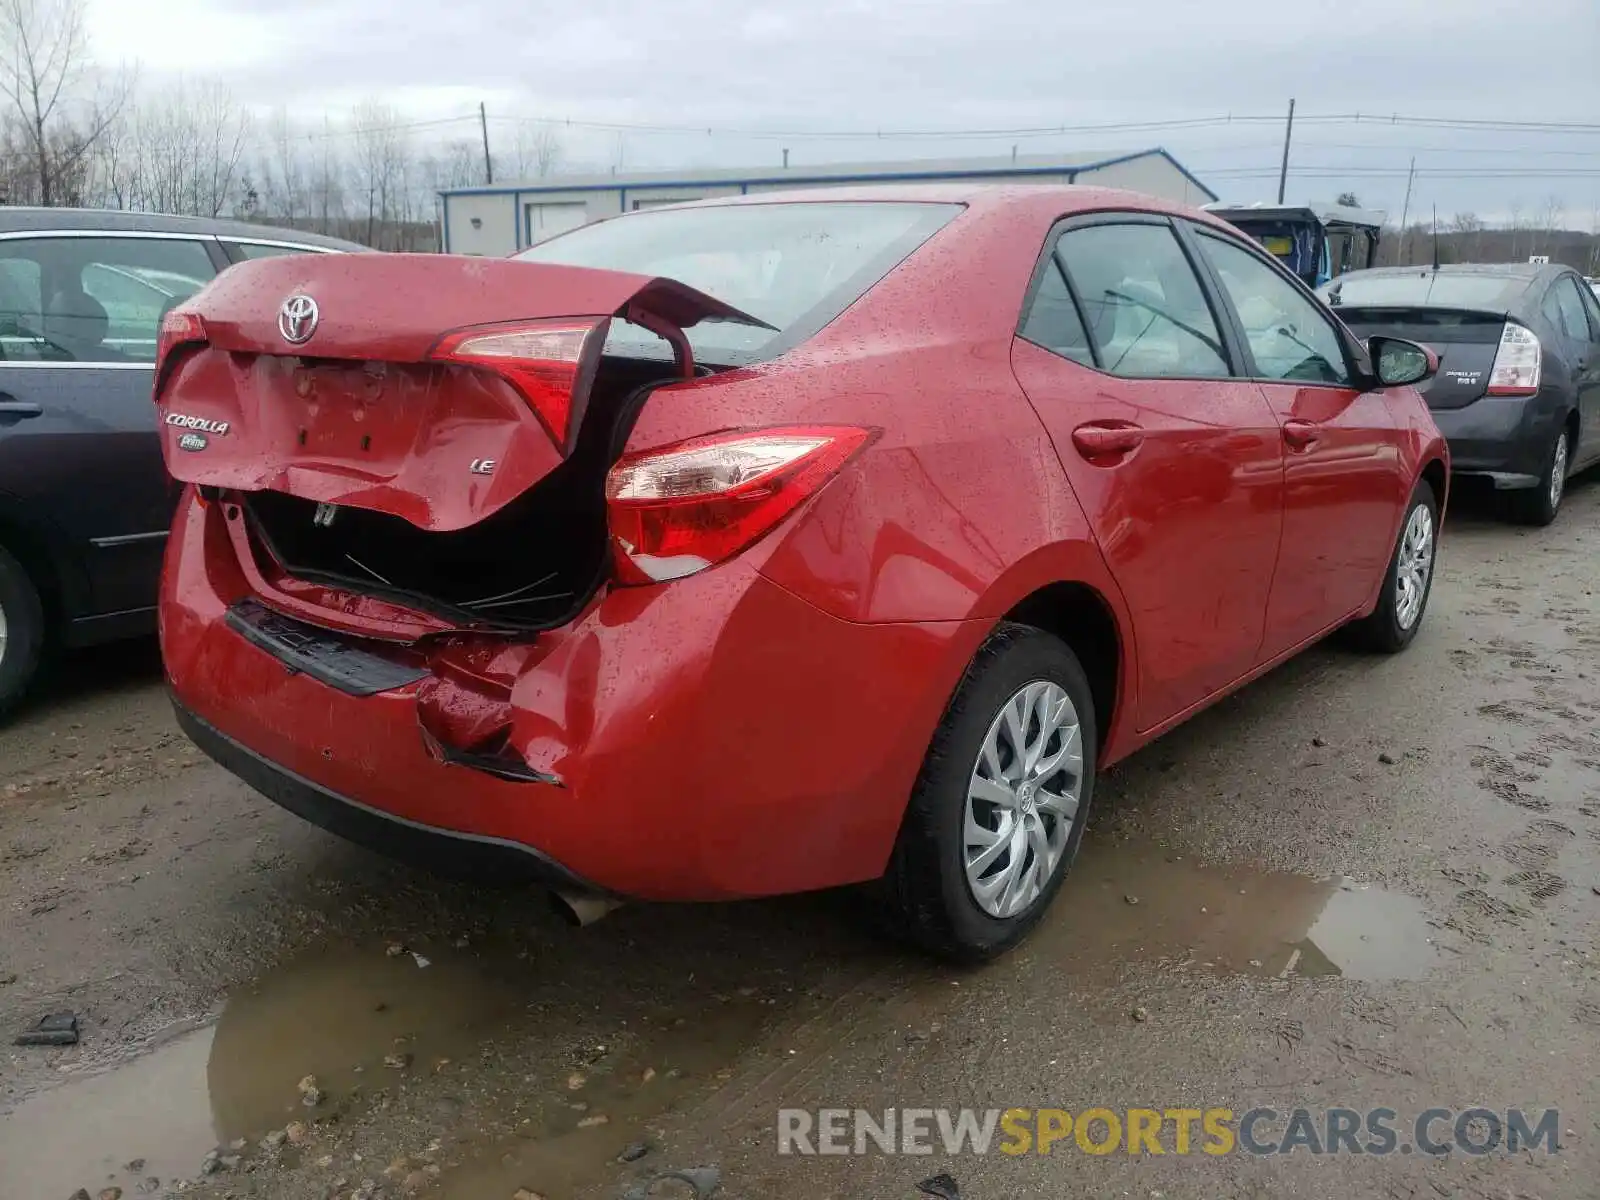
pixel 924 897
pixel 23 647
pixel 1537 505
pixel 1382 632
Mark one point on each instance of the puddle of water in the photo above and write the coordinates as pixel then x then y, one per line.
pixel 335 1015
pixel 521 1025
pixel 1232 918
pixel 83 1133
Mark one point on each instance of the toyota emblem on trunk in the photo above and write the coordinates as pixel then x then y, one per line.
pixel 297 319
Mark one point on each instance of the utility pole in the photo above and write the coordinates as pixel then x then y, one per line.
pixel 483 124
pixel 1405 211
pixel 786 158
pixel 1283 171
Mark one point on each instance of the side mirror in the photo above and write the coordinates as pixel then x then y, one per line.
pixel 1399 363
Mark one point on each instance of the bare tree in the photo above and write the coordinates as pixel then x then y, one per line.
pixel 282 170
pixel 1515 226
pixel 1550 213
pixel 538 151
pixel 382 158
pixel 327 181
pixel 45 44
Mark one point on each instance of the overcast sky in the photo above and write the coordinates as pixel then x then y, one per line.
pixel 824 66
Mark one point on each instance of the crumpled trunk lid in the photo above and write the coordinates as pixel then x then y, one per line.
pixel 321 377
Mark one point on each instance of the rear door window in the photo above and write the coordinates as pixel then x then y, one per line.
pixel 1591 305
pixel 1053 321
pixel 1146 312
pixel 93 299
pixel 1572 318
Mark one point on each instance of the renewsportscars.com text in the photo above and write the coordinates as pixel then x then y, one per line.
pixel 1177 1131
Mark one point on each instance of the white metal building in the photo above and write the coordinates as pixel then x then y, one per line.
pixel 500 220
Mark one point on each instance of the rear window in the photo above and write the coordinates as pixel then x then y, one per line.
pixel 795 266
pixel 1442 290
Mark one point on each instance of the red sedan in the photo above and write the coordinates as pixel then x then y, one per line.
pixel 773 544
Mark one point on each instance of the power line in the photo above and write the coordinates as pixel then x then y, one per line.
pixel 1215 121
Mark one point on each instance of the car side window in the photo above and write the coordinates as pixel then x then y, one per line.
pixel 1146 312
pixel 1053 321
pixel 93 299
pixel 252 250
pixel 1591 305
pixel 1574 321
pixel 1290 337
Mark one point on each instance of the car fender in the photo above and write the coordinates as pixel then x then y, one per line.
pixel 1420 443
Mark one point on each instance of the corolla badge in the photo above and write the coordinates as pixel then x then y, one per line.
pixel 184 421
pixel 193 441
pixel 297 319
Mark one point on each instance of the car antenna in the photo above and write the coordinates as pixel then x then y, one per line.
pixel 1435 237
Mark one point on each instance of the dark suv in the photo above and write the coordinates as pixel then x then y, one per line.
pixel 84 497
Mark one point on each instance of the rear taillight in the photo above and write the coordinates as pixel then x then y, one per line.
pixel 178 328
pixel 1516 363
pixel 544 360
pixel 680 509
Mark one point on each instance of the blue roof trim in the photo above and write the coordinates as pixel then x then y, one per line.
pixel 1069 169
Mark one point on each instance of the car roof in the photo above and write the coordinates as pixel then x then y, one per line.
pixel 1022 201
pixel 94 220
pixel 1523 272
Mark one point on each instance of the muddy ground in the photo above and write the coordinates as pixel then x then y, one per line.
pixel 1361 882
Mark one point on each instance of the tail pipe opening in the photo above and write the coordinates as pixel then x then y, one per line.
pixel 580 909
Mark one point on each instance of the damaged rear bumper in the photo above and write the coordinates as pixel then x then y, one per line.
pixel 713 738
pixel 466 856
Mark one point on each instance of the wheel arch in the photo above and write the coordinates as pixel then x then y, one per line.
pixel 1081 617
pixel 31 547
pixel 1437 476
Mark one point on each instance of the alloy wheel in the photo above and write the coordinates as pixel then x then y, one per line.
pixel 1414 566
pixel 1022 799
pixel 1558 471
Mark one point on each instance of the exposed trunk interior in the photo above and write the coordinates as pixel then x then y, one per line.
pixel 532 565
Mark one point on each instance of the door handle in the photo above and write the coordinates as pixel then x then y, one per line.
pixel 1097 440
pixel 18 410
pixel 1300 434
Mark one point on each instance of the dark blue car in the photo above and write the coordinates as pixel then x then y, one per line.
pixel 84 497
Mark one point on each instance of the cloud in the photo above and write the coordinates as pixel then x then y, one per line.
pixel 941 64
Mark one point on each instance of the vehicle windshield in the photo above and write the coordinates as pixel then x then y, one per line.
pixel 1423 289
pixel 795 266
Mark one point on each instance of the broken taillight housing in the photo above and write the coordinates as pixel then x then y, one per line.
pixel 549 362
pixel 1517 363
pixel 178 328
pixel 682 508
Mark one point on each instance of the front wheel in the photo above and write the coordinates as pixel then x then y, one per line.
pixel 1408 581
pixel 999 807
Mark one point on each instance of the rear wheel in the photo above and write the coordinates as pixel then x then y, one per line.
pixel 21 632
pixel 999 808
pixel 1539 505
pixel 1409 580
